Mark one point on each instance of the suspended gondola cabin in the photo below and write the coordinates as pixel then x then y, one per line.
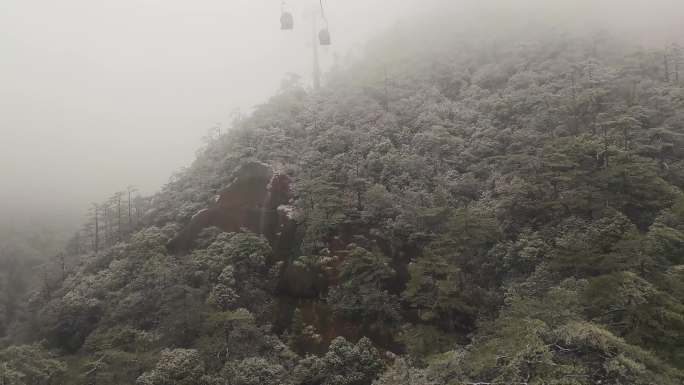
pixel 286 21
pixel 324 37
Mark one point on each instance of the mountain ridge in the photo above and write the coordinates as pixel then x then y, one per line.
pixel 489 212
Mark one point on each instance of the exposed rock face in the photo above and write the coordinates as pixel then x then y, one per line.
pixel 256 200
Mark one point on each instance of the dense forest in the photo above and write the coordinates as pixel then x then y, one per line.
pixel 477 210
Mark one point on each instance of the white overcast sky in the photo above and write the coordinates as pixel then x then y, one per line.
pixel 99 94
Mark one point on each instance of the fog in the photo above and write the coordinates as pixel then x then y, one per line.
pixel 98 95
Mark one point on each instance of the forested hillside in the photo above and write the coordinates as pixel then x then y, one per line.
pixel 29 252
pixel 477 210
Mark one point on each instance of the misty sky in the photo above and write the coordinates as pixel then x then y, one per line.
pixel 96 95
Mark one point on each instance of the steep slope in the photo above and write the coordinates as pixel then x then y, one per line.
pixel 491 210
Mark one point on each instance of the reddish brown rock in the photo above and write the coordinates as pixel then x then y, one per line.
pixel 250 202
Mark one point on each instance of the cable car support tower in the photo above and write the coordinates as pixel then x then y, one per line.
pixel 316 59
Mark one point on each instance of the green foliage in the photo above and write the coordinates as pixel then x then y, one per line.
pixel 175 367
pixel 402 373
pixel 543 339
pixel 345 363
pixel 29 365
pixel 322 210
pixel 449 282
pixel 637 311
pixel 502 209
pixel 234 270
pixel 255 371
pixel 593 247
pixel 666 235
pixel 437 290
pixel 247 253
pixel 303 337
pixel 361 293
pixel 424 341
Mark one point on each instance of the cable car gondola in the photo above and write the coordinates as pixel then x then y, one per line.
pixel 324 37
pixel 286 21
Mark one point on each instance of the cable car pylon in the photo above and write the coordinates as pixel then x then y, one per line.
pixel 316 60
pixel 324 34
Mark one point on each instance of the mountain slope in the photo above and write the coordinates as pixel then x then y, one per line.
pixel 491 210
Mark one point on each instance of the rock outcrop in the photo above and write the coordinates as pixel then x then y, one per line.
pixel 257 200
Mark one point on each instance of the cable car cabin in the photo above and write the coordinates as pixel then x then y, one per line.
pixel 324 37
pixel 286 21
